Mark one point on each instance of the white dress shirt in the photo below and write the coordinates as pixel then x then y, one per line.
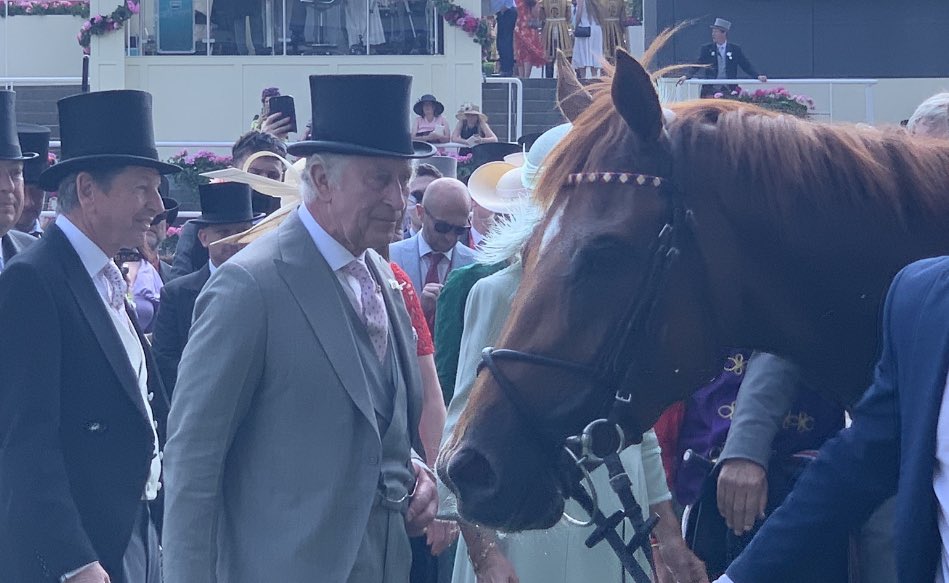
pixel 426 261
pixel 336 255
pixel 941 484
pixel 94 260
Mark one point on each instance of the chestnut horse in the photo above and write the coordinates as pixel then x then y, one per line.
pixel 793 231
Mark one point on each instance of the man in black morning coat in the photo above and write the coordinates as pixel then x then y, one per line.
pixel 721 52
pixel 82 409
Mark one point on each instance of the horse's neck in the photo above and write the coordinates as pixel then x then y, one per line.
pixel 815 294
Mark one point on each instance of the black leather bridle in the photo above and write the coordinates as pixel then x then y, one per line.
pixel 605 438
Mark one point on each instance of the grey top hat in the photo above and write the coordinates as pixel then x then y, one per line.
pixel 447 165
pixel 723 24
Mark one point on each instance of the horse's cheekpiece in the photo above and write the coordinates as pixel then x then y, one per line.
pixel 602 440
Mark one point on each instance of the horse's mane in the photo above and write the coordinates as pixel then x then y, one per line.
pixel 787 164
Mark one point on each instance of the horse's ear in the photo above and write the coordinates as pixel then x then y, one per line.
pixel 635 98
pixel 572 98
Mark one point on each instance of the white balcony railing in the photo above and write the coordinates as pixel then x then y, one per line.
pixel 670 91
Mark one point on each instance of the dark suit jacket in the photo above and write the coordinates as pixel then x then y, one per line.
pixel 708 55
pixel 75 440
pixel 174 322
pixel 890 448
pixel 190 255
pixel 14 242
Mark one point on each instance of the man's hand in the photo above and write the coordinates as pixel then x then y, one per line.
pixel 681 564
pixel 440 535
pixel 424 502
pixel 495 568
pixel 682 80
pixel 763 78
pixel 742 494
pixel 93 573
pixel 430 294
pixel 277 125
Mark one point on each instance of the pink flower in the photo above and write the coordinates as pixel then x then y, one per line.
pixel 86 26
pixel 718 95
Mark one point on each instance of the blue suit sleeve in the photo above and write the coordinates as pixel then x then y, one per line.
pixel 852 475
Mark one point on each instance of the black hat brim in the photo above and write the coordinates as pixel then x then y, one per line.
pixel 300 149
pixel 171 207
pixel 50 178
pixel 439 108
pixel 202 220
pixel 21 158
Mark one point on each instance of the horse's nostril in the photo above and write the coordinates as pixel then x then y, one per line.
pixel 471 474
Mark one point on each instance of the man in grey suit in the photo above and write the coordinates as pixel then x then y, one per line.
pixel 432 253
pixel 296 411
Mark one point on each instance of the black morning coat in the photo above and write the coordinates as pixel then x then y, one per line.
pixel 75 440
pixel 708 55
pixel 173 323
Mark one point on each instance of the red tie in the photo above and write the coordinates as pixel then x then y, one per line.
pixel 434 260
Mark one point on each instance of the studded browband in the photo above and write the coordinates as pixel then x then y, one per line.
pixel 630 178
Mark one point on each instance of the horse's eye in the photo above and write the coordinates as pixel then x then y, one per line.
pixel 603 256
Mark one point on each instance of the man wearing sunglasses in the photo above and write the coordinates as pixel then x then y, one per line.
pixel 430 255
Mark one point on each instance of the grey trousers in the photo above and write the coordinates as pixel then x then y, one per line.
pixel 142 560
pixel 876 560
pixel 385 555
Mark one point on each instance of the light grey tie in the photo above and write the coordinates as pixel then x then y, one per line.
pixel 373 306
pixel 117 286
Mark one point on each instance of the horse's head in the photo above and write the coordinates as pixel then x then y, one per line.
pixel 594 260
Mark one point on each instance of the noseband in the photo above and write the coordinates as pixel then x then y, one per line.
pixel 603 439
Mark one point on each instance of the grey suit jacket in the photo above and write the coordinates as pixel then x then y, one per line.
pixel 14 242
pixel 405 254
pixel 770 387
pixel 273 455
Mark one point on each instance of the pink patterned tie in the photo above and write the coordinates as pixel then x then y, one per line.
pixel 117 286
pixel 373 307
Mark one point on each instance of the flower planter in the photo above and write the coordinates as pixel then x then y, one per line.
pixel 41 46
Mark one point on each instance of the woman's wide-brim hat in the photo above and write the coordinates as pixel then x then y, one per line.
pixel 497 187
pixel 34 138
pixel 470 109
pixel 361 115
pixel 9 140
pixel 105 129
pixel 287 191
pixel 428 98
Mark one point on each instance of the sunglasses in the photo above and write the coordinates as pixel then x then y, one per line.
pixel 443 227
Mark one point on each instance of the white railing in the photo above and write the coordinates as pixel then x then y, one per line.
pixel 515 106
pixel 10 82
pixel 672 91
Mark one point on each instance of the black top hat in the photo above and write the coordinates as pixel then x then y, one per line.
pixel 34 138
pixel 171 210
pixel 264 203
pixel 417 108
pixel 363 115
pixel 105 129
pixel 492 152
pixel 9 142
pixel 225 202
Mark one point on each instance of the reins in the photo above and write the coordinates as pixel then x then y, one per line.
pixel 601 442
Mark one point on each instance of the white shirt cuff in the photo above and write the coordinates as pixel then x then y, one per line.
pixel 76 572
pixel 724 579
